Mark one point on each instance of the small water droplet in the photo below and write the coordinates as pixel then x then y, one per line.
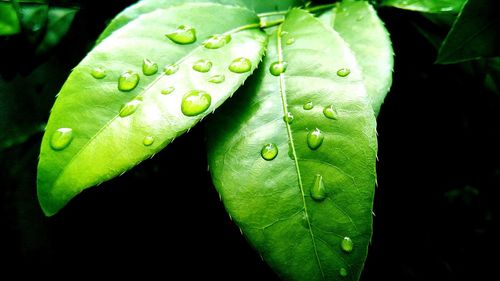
pixel 218 78
pixel 318 191
pixel 61 138
pixel 167 90
pixel 128 81
pixel 240 65
pixel 171 69
pixel 290 41
pixel 98 72
pixel 202 65
pixel 149 68
pixel 217 41
pixel 330 112
pixel 283 33
pixel 277 68
pixel 347 245
pixel 184 34
pixel 343 272
pixel 269 151
pixel 308 105
pixel 195 102
pixel 315 139
pixel 343 72
pixel 288 118
pixel 129 108
pixel 148 140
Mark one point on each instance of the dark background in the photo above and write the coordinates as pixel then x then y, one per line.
pixel 436 202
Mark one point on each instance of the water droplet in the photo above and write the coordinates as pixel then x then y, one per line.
pixel 129 108
pixel 318 191
pixel 288 117
pixel 305 220
pixel 61 138
pixel 343 72
pixel 330 112
pixel 240 65
pixel 148 140
pixel 218 78
pixel 283 33
pixel 98 72
pixel 343 272
pixel 171 69
pixel 149 68
pixel 167 90
pixel 184 34
pixel 277 68
pixel 128 81
pixel 315 139
pixel 347 245
pixel 308 105
pixel 202 65
pixel 195 102
pixel 269 151
pixel 290 41
pixel 217 41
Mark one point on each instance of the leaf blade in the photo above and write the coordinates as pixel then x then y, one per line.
pixel 426 6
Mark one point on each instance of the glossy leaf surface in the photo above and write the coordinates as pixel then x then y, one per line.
pixel 426 6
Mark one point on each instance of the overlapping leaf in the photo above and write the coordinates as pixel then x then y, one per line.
pixel 427 6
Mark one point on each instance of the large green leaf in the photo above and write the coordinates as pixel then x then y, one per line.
pixel 9 22
pixel 300 237
pixel 426 6
pixel 358 24
pixel 104 141
pixel 474 33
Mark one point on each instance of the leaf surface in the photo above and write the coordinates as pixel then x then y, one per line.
pixel 9 22
pixel 426 6
pixel 272 200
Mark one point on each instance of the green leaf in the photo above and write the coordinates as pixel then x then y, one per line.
pixel 271 196
pixel 474 33
pixel 9 22
pixel 59 22
pixel 358 24
pixel 426 6
pixel 113 130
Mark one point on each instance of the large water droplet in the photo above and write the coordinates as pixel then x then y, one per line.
pixel 167 90
pixel 129 108
pixel 308 105
pixel 217 41
pixel 269 151
pixel 218 78
pixel 347 245
pixel 288 118
pixel 61 138
pixel 277 68
pixel 171 69
pixel 343 272
pixel 98 72
pixel 195 102
pixel 240 65
pixel 330 112
pixel 128 81
pixel 343 72
pixel 315 139
pixel 318 191
pixel 149 67
pixel 290 41
pixel 148 140
pixel 202 65
pixel 184 34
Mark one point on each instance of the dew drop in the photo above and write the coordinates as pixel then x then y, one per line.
pixel 98 72
pixel 330 112
pixel 315 139
pixel 218 78
pixel 343 72
pixel 128 81
pixel 202 65
pixel 277 68
pixel 217 41
pixel 308 105
pixel 148 140
pixel 283 33
pixel 343 272
pixel 195 102
pixel 288 118
pixel 184 35
pixel 290 41
pixel 171 69
pixel 240 65
pixel 269 151
pixel 149 68
pixel 318 191
pixel 61 138
pixel 129 108
pixel 167 90
pixel 347 245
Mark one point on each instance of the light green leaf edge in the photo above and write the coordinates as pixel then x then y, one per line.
pixel 426 6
